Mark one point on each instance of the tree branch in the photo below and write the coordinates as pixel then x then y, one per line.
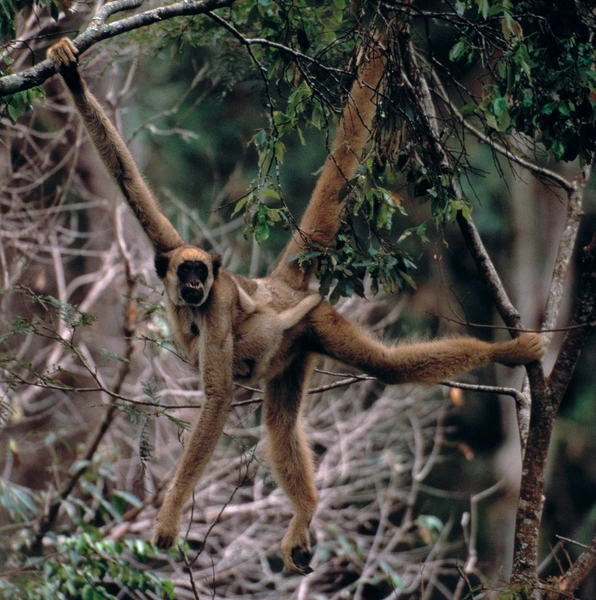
pixel 576 338
pixel 540 172
pixel 542 415
pixel 264 42
pixel 489 389
pixel 578 571
pixel 575 199
pixel 99 30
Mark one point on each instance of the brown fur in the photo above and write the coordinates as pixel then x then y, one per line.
pixel 272 322
pixel 322 218
pixel 258 338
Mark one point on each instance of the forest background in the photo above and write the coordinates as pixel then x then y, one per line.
pixel 473 212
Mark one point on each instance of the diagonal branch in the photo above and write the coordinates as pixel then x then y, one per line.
pixel 576 338
pixel 415 81
pixel 576 573
pixel 530 506
pixel 99 30
pixel 537 170
pixel 575 199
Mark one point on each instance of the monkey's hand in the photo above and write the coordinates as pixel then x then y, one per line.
pixel 64 54
pixel 524 349
pixel 167 528
pixel 295 548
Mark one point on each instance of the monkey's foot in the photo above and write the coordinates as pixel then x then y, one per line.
pixel 63 53
pixel 296 551
pixel 522 350
pixel 166 532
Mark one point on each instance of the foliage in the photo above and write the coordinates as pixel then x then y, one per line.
pixel 542 62
pixel 88 567
pixel 541 84
pixel 81 563
pixel 16 104
pixel 10 10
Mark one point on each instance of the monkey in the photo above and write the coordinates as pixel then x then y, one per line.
pixel 215 314
pixel 259 337
pixel 188 276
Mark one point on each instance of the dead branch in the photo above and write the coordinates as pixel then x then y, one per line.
pixel 99 30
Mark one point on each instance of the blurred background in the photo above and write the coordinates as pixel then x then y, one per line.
pixel 418 485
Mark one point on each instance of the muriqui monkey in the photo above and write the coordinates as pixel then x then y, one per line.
pixel 217 315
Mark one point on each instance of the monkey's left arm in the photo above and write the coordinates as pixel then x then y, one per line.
pixel 322 218
pixel 216 356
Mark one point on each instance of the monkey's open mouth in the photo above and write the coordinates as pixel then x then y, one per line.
pixel 191 295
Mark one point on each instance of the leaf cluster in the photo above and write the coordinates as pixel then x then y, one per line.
pixel 541 58
pixel 11 9
pixel 88 567
pixel 82 564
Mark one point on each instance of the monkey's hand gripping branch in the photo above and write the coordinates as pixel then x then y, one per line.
pixel 99 30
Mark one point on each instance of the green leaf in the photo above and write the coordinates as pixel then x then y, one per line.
pixel 240 204
pixel 271 193
pixel 408 279
pixel 457 51
pixel 483 7
pixel 262 233
pixel 260 138
pixel 468 109
pixel 491 120
pixel 499 106
pixel 317 117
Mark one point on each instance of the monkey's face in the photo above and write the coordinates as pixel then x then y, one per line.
pixel 188 274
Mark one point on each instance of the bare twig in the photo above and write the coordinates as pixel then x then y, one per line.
pixel 99 30
pixel 576 574
pixel 575 198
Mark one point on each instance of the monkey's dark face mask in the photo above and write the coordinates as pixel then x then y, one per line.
pixel 188 273
pixel 192 275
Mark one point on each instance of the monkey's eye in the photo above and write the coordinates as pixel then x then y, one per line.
pixel 184 269
pixel 202 270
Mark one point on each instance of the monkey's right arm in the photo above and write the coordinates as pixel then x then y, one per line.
pixel 113 151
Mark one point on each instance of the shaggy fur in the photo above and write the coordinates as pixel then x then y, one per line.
pixel 270 329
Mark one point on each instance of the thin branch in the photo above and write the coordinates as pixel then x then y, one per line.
pixel 490 389
pixel 514 329
pixel 470 566
pixel 576 339
pixel 264 42
pixel 566 246
pixel 98 30
pixel 577 572
pixel 520 160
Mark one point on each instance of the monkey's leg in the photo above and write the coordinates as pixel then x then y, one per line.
pixel 197 452
pixel 289 318
pixel 427 362
pixel 291 460
pixel 216 368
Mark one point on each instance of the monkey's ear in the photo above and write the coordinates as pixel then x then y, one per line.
pixel 216 260
pixel 162 263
